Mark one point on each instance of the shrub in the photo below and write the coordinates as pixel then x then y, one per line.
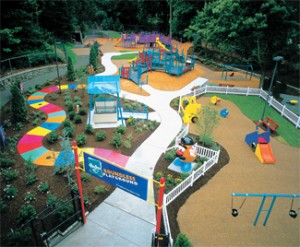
pixel 10 191
pixel 69 106
pixel 127 144
pixel 100 189
pixel 26 213
pixel 20 237
pixel 116 140
pixel 77 120
pixel 68 131
pixel 6 123
pixel 170 155
pixel 159 175
pixel 31 178
pixel 6 161
pixel 130 121
pixel 18 126
pixel 138 130
pixel 72 115
pixel 59 170
pixel 81 140
pixel 101 135
pixel 67 123
pixel 43 187
pixel 3 205
pixel 29 197
pixel 51 200
pixel 35 122
pixel 85 177
pixel 129 137
pixel 38 86
pixel 29 166
pixel 82 112
pixel 52 137
pixel 170 181
pixel 121 129
pixel 63 209
pixel 53 96
pixel 9 174
pixel 89 129
pixel 182 241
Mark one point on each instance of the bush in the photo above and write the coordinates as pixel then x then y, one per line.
pixel 182 241
pixel 81 140
pixel 31 178
pixel 18 126
pixel 9 175
pixel 20 237
pixel 53 96
pixel 68 131
pixel 170 155
pixel 67 123
pixel 10 191
pixel 52 137
pixel 89 129
pixel 116 140
pixel 85 177
pixel 26 213
pixel 121 129
pixel 100 189
pixel 130 121
pixel 72 115
pixel 29 197
pixel 5 161
pixel 63 209
pixel 127 144
pixel 82 112
pixel 77 120
pixel 70 106
pixel 7 123
pixel 38 86
pixel 29 166
pixel 35 121
pixel 159 175
pixel 3 205
pixel 51 200
pixel 101 135
pixel 43 187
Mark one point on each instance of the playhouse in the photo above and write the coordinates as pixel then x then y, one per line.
pixel 189 109
pixel 104 105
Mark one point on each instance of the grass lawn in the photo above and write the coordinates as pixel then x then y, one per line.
pixel 252 107
pixel 124 56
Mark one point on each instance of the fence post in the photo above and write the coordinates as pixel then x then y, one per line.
pixel 226 89
pixel 179 104
pixel 270 101
pixel 298 123
pixel 247 91
pixel 282 111
pixel 192 181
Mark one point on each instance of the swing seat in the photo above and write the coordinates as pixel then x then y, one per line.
pixel 235 212
pixel 293 213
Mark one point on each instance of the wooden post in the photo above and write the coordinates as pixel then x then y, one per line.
pixel 79 181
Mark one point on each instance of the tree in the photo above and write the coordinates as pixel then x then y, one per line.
pixel 94 55
pixel 18 104
pixel 70 70
pixel 206 123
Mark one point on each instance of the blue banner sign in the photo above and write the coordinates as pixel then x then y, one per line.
pixel 116 176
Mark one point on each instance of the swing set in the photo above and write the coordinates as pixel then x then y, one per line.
pixel 292 213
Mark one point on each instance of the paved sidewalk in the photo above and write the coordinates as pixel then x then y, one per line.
pixel 123 219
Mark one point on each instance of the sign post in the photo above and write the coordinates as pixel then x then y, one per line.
pixel 79 181
pixel 160 202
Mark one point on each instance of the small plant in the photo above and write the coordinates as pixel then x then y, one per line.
pixel 68 131
pixel 100 135
pixel 82 112
pixel 52 137
pixel 182 240
pixel 7 123
pixel 6 161
pixel 19 126
pixel 170 181
pixel 30 167
pixel 170 155
pixel 138 130
pixel 29 197
pixel 63 209
pixel 3 205
pixel 159 175
pixel 116 140
pixel 89 129
pixel 130 121
pixel 26 213
pixel 47 83
pixel 31 178
pixel 100 189
pixel 70 106
pixel 85 177
pixel 9 174
pixel 10 192
pixel 43 187
pixel 127 144
pixel 81 140
pixel 51 200
pixel 67 123
pixel 35 122
pixel 77 119
pixel 60 170
pixel 72 115
pixel 38 86
pixel 86 200
pixel 121 129
pixel 20 237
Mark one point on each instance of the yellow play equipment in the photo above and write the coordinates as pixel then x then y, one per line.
pixel 161 45
pixel 214 100
pixel 189 109
pixel 131 60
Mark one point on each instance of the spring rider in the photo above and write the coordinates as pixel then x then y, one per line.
pixel 186 154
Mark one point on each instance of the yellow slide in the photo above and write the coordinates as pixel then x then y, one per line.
pixel 118 41
pixel 161 45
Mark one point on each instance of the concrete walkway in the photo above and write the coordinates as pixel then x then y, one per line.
pixel 123 219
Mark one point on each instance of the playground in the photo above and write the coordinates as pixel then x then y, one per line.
pixel 205 217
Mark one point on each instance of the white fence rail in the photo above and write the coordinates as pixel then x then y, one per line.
pixel 183 133
pixel 282 109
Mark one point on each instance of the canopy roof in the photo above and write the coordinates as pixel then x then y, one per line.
pixel 104 84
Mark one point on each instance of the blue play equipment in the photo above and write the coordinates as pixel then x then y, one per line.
pixel 185 166
pixel 224 112
pixel 254 138
pixel 292 213
pixel 231 68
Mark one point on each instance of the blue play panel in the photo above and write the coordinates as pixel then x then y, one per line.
pixel 65 158
pixel 50 126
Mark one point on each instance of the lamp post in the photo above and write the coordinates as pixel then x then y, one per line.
pixel 58 77
pixel 277 59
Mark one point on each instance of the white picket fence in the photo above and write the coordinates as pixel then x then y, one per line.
pixel 211 155
pixel 282 109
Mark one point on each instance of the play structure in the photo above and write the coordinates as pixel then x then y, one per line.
pixel 186 154
pixel 189 109
pixel 106 106
pixel 230 69
pixel 292 212
pixel 224 112
pixel 164 58
pixel 214 100
pixel 260 144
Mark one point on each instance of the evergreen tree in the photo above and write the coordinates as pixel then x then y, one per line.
pixel 70 70
pixel 93 57
pixel 18 104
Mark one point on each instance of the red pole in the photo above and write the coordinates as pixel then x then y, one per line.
pixel 79 181
pixel 159 204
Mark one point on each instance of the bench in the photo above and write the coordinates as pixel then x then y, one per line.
pixel 268 122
